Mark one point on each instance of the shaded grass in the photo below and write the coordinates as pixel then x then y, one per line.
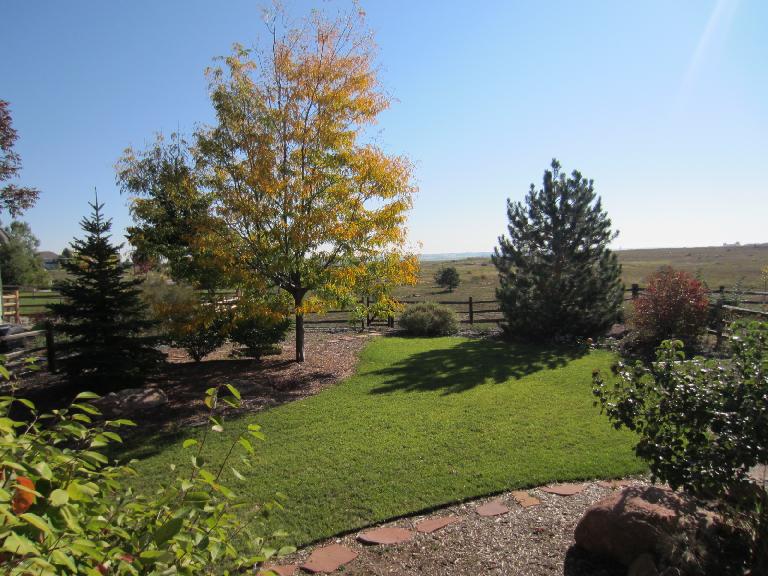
pixel 423 423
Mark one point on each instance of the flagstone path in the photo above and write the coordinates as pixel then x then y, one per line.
pixel 369 551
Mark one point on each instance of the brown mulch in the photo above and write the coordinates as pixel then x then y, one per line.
pixel 271 381
pixel 534 541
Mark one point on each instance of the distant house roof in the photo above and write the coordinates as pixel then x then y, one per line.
pixel 47 255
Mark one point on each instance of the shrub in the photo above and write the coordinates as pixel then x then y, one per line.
pixel 673 306
pixel 702 424
pixel 447 278
pixel 428 319
pixel 66 510
pixel 258 329
pixel 183 318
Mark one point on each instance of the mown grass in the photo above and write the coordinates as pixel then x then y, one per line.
pixel 423 423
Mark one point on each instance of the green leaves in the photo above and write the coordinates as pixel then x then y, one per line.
pixel 75 515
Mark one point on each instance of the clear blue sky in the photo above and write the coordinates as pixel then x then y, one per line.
pixel 664 104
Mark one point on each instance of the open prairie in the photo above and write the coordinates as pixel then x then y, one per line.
pixel 715 265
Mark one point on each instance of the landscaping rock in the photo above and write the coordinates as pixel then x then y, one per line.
pixel 617 331
pixel 493 508
pixel 286 570
pixel 525 500
pixel 635 521
pixel 643 565
pixel 563 489
pixel 385 536
pixel 430 525
pixel 329 559
pixel 132 399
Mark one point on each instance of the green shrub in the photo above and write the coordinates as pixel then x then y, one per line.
pixel 259 331
pixel 428 319
pixel 447 278
pixel 66 510
pixel 184 319
pixel 702 424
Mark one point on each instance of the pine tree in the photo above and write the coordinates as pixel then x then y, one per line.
pixel 102 314
pixel 558 278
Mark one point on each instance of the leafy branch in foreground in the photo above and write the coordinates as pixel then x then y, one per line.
pixel 702 424
pixel 64 509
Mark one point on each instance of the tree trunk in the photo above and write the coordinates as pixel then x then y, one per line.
pixel 299 337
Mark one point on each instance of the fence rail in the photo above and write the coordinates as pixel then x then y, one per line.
pixel 25 303
pixel 29 347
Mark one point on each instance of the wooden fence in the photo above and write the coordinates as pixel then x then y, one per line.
pixel 29 346
pixel 31 305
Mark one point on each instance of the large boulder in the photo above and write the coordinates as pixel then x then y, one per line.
pixel 637 521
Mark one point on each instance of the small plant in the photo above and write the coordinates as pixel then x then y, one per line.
pixel 428 319
pixel 184 319
pixel 67 510
pixel 702 424
pixel 447 278
pixel 673 306
pixel 258 329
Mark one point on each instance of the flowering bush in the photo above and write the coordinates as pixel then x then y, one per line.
pixel 64 509
pixel 673 306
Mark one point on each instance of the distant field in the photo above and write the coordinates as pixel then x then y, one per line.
pixel 717 265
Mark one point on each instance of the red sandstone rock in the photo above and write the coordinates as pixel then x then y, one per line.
pixel 329 558
pixel 563 489
pixel 634 521
pixel 385 536
pixel 433 524
pixel 525 500
pixel 493 508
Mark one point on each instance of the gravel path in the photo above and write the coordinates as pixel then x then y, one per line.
pixel 535 541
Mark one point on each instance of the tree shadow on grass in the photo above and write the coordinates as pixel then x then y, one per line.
pixel 471 363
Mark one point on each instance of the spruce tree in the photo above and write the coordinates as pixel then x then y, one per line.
pixel 558 278
pixel 102 314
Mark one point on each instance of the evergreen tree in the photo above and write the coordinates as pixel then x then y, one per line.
pixel 557 276
pixel 447 278
pixel 102 314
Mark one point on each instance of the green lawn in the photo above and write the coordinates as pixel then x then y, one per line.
pixel 424 423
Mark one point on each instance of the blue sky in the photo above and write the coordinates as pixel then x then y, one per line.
pixel 664 104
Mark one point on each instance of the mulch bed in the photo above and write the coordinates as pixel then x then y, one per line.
pixel 525 541
pixel 330 357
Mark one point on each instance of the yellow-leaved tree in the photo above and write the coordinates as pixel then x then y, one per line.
pixel 284 188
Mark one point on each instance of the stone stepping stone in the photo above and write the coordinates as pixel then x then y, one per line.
pixel 524 499
pixel 329 559
pixel 385 536
pixel 492 508
pixel 563 489
pixel 613 484
pixel 430 525
pixel 286 570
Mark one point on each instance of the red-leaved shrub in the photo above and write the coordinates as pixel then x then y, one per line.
pixel 674 305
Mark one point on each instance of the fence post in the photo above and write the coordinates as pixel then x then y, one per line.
pixel 635 291
pixel 50 346
pixel 471 312
pixel 368 310
pixel 721 290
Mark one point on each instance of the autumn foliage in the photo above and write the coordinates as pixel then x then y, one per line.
pixel 285 189
pixel 673 306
